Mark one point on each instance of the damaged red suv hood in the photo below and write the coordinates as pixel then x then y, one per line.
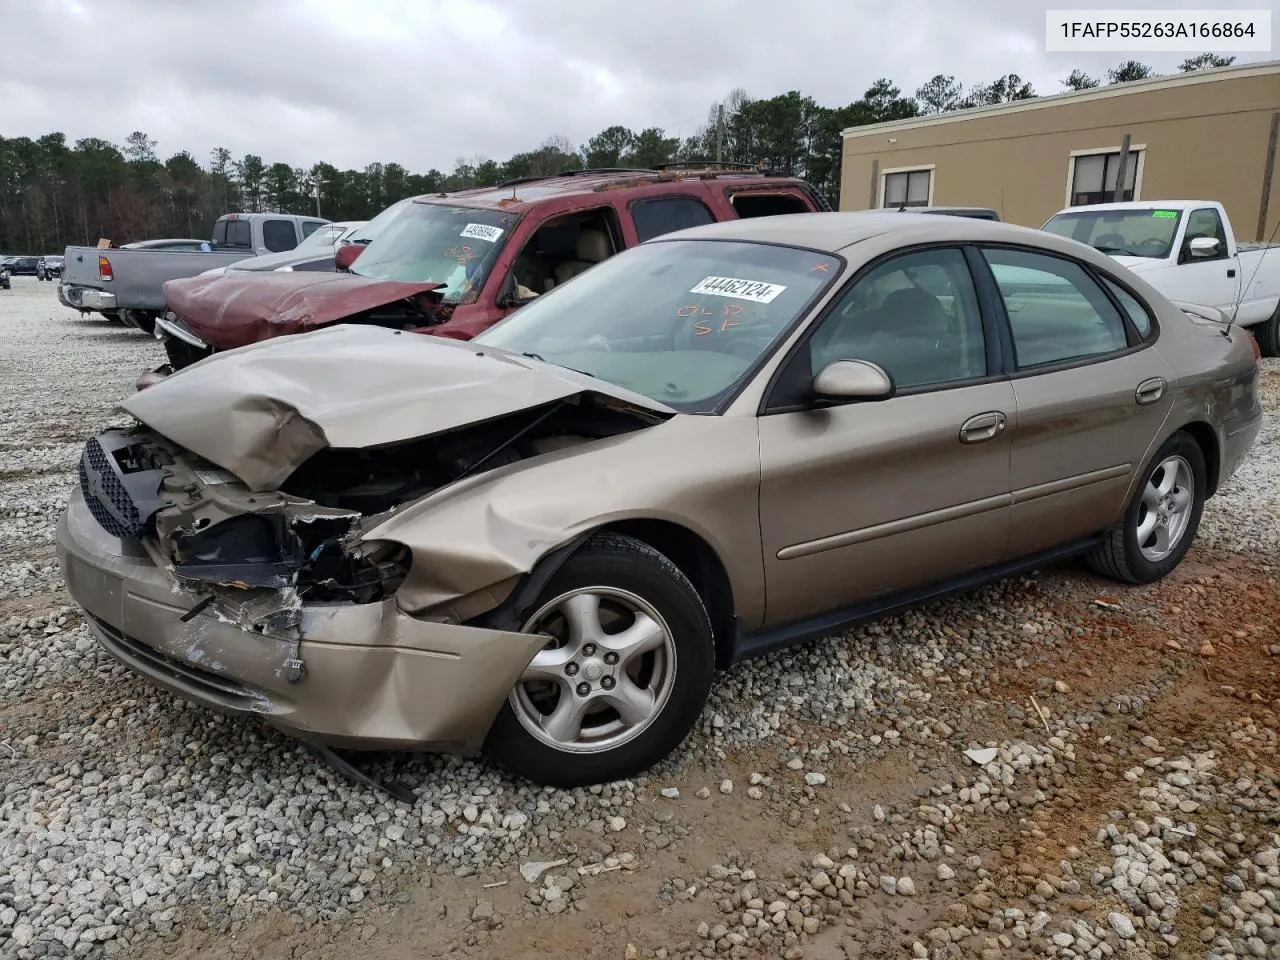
pixel 240 307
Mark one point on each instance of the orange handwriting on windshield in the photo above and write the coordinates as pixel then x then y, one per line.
pixel 703 327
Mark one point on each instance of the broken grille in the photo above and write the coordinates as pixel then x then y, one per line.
pixel 105 495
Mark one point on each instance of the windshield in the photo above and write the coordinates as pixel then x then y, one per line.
pixel 430 242
pixel 1147 232
pixel 324 236
pixel 680 321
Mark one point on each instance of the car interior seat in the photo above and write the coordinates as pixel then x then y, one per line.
pixel 591 248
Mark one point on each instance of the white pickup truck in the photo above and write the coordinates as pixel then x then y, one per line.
pixel 1187 250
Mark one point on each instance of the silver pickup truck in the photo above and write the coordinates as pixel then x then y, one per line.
pixel 127 283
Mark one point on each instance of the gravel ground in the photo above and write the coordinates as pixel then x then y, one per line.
pixel 825 809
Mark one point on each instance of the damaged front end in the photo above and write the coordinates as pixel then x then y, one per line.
pixel 249 559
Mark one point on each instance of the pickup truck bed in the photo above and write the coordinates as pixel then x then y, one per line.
pixel 128 284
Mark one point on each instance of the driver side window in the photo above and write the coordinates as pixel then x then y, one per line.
pixel 916 315
pixel 1204 222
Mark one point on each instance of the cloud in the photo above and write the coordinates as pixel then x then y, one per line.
pixel 423 82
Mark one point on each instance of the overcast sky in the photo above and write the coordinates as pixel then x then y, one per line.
pixel 423 82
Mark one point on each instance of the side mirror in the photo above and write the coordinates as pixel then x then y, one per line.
pixel 1203 247
pixel 853 380
pixel 346 255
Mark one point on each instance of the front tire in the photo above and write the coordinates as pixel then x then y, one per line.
pixel 1161 521
pixel 624 675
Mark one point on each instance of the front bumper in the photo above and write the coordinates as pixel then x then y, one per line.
pixel 85 298
pixel 375 678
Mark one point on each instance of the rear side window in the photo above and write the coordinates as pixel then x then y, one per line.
pixel 667 214
pixel 1057 313
pixel 237 234
pixel 310 226
pixel 1138 314
pixel 278 235
pixel 768 204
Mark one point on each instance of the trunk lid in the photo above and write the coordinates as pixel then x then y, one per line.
pixel 241 307
pixel 261 411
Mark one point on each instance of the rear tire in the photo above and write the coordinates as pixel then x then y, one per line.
pixel 1267 334
pixel 600 704
pixel 1161 521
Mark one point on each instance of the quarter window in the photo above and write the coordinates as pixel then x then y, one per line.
pixel 1057 313
pixel 1138 314
pixel 915 315
pixel 667 214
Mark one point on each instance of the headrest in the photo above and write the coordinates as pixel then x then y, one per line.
pixel 593 246
pixel 914 313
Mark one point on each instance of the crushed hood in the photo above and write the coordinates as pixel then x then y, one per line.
pixel 239 307
pixel 263 410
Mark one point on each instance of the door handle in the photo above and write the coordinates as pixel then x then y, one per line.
pixel 984 426
pixel 1231 272
pixel 1149 391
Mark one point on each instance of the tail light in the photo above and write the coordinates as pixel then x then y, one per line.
pixel 104 269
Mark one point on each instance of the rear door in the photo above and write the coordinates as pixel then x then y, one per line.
pixel 1091 395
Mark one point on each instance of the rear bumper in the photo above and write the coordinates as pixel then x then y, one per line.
pixel 85 298
pixel 375 678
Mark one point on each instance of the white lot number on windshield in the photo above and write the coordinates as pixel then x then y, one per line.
pixel 757 291
pixel 481 231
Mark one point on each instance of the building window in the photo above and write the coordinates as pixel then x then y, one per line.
pixel 1093 177
pixel 906 188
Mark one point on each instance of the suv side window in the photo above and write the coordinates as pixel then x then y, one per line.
pixel 916 315
pixel 561 247
pixel 278 235
pixel 1057 313
pixel 653 218
pixel 1204 222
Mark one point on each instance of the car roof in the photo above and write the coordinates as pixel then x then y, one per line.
pixel 833 232
pixel 524 192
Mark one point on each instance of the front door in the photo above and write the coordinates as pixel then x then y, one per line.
pixel 1209 280
pixel 1091 398
pixel 868 499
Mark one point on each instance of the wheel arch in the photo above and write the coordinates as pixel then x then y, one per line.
pixel 698 561
pixel 1206 439
pixel 690 552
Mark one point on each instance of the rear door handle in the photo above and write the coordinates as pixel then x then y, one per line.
pixel 984 426
pixel 1149 391
pixel 1231 272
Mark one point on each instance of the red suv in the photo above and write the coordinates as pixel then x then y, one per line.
pixel 455 264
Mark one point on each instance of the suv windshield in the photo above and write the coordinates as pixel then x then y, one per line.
pixel 432 242
pixel 1145 232
pixel 680 321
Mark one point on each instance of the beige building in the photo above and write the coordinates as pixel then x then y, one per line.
pixel 1207 135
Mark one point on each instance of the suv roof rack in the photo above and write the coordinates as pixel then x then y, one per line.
pixel 587 171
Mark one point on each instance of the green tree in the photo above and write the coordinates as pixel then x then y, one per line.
pixel 1129 71
pixel 1079 80
pixel 1205 61
pixel 939 94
